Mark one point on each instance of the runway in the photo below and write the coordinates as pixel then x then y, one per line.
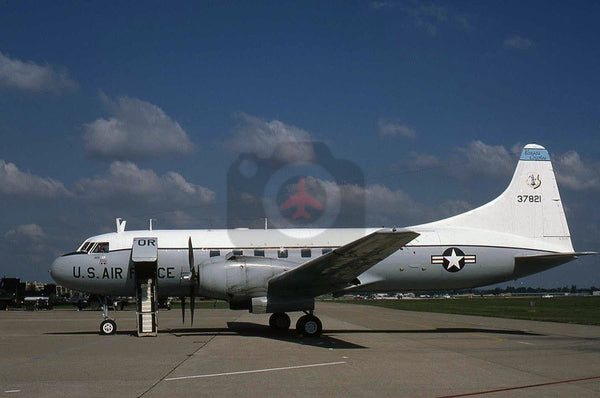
pixel 364 351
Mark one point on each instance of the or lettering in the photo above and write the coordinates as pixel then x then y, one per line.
pixel 146 242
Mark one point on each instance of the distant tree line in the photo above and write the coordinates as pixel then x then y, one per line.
pixel 532 290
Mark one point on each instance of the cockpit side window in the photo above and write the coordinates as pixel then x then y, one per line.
pixel 101 247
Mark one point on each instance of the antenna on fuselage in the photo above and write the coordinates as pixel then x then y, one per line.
pixel 120 225
pixel 152 219
pixel 266 222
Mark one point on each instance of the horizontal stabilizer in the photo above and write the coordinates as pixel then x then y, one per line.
pixel 337 269
pixel 527 265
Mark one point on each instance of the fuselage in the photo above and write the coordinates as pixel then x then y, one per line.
pixel 440 258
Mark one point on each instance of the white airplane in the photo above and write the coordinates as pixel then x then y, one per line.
pixel 521 232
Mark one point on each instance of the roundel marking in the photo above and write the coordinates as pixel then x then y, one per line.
pixel 453 259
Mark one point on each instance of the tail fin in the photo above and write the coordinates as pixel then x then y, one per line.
pixel 530 207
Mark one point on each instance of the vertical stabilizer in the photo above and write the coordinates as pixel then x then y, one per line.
pixel 530 207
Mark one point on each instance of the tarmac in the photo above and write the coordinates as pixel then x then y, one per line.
pixel 364 351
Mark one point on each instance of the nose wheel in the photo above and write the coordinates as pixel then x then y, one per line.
pixel 108 326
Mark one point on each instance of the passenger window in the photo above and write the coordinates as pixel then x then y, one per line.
pixel 215 253
pixel 325 251
pixel 259 253
pixel 101 247
pixel 282 253
pixel 238 252
pixel 305 253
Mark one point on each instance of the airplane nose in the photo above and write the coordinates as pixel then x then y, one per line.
pixel 54 269
pixel 58 270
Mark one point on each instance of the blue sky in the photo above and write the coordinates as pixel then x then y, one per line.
pixel 138 109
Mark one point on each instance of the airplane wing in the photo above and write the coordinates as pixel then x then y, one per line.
pixel 340 267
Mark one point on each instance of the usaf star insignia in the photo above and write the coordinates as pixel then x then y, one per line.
pixel 453 259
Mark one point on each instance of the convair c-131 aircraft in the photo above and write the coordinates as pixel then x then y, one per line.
pixel 521 232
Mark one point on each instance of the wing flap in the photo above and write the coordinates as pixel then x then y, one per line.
pixel 337 269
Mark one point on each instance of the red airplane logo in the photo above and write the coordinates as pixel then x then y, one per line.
pixel 301 199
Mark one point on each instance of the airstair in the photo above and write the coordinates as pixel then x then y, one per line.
pixel 144 256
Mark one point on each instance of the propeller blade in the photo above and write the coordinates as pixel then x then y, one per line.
pixel 183 310
pixel 194 280
pixel 192 304
pixel 191 255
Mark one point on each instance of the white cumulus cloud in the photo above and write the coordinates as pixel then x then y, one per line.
pixel 34 78
pixel 27 247
pixel 282 142
pixel 480 158
pixel 391 128
pixel 575 173
pixel 429 17
pixel 19 183
pixel 475 159
pixel 126 183
pixel 28 232
pixel 136 130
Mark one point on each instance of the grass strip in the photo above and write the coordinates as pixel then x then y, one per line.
pixel 582 310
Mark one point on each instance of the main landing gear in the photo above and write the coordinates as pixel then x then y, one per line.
pixel 108 325
pixel 308 325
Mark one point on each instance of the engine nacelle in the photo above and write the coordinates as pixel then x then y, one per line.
pixel 239 278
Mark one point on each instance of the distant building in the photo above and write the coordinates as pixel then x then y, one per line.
pixel 11 291
pixel 11 286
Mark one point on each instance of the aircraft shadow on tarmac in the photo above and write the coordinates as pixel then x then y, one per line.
pixel 250 329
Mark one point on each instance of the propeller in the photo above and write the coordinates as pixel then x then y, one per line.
pixel 182 309
pixel 194 280
pixel 193 283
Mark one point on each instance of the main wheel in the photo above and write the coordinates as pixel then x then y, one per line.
pixel 108 326
pixel 309 326
pixel 280 321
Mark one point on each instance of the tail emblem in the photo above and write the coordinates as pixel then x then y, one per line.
pixel 453 259
pixel 534 181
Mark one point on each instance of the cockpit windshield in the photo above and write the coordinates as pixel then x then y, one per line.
pixel 101 247
pixel 93 247
pixel 85 247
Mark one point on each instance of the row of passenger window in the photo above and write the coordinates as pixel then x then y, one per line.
pixel 282 253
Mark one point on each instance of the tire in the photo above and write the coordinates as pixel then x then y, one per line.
pixel 280 321
pixel 309 326
pixel 108 327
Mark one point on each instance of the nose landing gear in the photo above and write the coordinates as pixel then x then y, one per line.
pixel 108 325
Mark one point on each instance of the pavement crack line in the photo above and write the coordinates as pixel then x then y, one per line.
pixel 177 366
pixel 181 363
pixel 549 383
